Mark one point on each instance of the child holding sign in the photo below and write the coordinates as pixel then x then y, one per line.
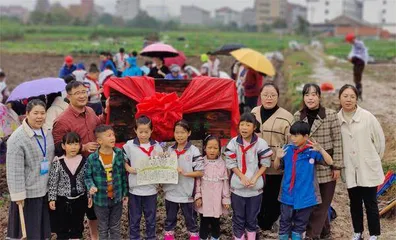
pixel 248 156
pixel 212 191
pixel 142 199
pixel 180 195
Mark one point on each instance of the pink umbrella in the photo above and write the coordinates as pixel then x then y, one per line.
pixel 159 50
pixel 178 60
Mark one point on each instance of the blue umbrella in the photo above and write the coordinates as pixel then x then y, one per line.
pixel 36 88
pixel 227 48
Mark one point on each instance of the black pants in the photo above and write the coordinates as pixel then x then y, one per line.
pixel 358 67
pixel 209 225
pixel 270 206
pixel 368 196
pixel 68 217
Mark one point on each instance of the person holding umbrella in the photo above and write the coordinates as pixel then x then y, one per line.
pixel 68 67
pixel 159 51
pixel 159 70
pixel 30 149
pixel 257 66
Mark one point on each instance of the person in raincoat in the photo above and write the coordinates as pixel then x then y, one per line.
pixel 175 73
pixel 132 69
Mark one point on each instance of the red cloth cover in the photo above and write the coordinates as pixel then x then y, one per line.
pixel 164 109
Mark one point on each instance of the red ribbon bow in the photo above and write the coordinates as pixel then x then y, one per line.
pixel 164 110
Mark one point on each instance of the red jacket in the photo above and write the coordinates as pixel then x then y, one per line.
pixel 253 83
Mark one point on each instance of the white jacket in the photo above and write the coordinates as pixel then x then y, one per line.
pixel 57 107
pixel 364 146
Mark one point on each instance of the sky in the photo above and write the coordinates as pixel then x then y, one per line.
pixel 173 5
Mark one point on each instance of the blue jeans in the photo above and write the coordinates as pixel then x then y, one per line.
pixel 138 205
pixel 293 220
pixel 109 221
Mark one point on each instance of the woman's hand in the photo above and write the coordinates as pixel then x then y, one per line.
pixel 52 205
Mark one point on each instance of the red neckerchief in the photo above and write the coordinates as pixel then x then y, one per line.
pixel 147 152
pixel 244 150
pixel 295 156
pixel 178 153
pixel 93 80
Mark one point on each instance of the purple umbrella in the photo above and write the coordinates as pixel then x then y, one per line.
pixel 36 88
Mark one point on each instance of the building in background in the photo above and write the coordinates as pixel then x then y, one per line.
pixel 159 12
pixel 192 15
pixel 268 11
pixel 248 17
pixel 294 11
pixel 322 11
pixel 18 12
pixel 42 6
pixel 83 10
pixel 127 9
pixel 381 13
pixel 227 16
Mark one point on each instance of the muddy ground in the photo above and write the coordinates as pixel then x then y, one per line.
pixel 379 97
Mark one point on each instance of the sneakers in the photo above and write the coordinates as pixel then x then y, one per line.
pixel 373 238
pixel 357 236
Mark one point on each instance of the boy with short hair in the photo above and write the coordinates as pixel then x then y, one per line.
pixel 106 180
pixel 299 191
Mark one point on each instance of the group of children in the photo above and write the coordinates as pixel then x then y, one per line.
pixel 207 184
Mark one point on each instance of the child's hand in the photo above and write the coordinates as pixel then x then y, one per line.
pixel 131 170
pixel 245 181
pixel 180 171
pixel 253 182
pixel 93 190
pixel 315 145
pixel 90 202
pixel 198 203
pixel 227 206
pixel 52 205
pixel 125 201
pixel 280 152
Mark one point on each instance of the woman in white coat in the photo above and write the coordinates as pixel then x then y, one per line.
pixel 364 145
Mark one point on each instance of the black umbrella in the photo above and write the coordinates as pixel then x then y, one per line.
pixel 227 48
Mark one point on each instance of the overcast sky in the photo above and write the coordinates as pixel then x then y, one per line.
pixel 174 5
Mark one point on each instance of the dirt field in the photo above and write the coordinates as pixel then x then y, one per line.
pixel 379 98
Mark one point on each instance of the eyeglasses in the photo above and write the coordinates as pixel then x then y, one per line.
pixel 79 93
pixel 269 96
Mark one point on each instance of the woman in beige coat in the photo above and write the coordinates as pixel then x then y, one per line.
pixel 274 129
pixel 364 146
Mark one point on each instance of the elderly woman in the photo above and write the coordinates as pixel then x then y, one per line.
pixel 325 129
pixel 274 129
pixel 30 150
pixel 364 146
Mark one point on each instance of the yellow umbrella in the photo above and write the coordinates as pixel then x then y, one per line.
pixel 255 60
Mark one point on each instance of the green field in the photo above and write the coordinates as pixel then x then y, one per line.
pixel 87 40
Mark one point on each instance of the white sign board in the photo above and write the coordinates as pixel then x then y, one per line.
pixel 161 169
